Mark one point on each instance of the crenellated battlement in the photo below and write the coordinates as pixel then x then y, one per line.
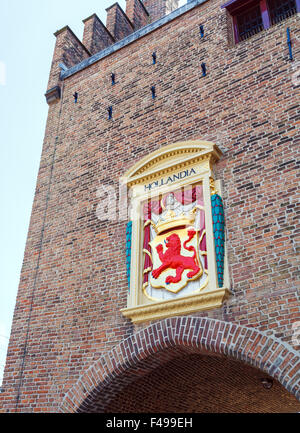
pixel 70 51
pixel 96 36
pixel 118 23
pixel 137 13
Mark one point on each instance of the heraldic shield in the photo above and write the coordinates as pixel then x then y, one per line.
pixel 175 259
pixel 174 247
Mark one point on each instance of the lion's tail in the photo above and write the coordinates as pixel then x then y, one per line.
pixel 191 234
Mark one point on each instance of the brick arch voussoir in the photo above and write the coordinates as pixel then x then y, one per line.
pixel 266 353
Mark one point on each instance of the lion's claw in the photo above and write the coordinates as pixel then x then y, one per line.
pixel 155 274
pixel 169 280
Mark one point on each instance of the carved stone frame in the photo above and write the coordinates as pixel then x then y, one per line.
pixel 200 155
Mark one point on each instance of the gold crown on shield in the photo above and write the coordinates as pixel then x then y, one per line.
pixel 172 221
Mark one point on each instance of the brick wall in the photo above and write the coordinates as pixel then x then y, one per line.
pixel 73 281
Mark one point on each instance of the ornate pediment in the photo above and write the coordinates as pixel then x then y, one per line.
pixel 167 158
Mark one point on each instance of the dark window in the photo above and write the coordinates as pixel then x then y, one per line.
pixel 279 10
pixel 249 23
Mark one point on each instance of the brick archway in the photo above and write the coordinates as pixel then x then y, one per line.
pixel 160 342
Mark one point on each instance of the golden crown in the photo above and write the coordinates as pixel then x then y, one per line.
pixel 171 221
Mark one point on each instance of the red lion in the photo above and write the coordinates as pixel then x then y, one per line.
pixel 174 260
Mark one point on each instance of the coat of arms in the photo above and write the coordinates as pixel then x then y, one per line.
pixel 174 245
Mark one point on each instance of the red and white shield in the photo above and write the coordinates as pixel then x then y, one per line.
pixel 175 259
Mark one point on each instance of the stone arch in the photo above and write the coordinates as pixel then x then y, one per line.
pixel 161 341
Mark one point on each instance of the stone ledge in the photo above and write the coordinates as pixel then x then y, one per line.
pixel 53 95
pixel 177 307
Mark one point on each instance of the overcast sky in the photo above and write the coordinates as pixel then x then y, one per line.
pixel 26 48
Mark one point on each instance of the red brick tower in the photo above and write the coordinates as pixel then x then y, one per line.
pixel 193 112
